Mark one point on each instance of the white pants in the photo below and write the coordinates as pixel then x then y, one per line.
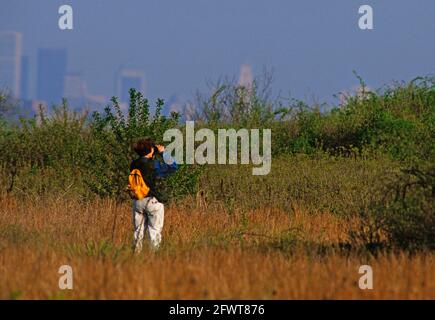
pixel 148 214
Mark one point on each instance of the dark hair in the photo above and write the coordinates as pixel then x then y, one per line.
pixel 143 146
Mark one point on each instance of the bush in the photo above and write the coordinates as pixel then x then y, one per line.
pixel 112 153
pixel 45 154
pixel 398 121
pixel 67 152
pixel 404 218
pixel 316 184
pixel 114 134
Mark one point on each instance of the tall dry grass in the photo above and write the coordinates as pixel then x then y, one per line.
pixel 206 254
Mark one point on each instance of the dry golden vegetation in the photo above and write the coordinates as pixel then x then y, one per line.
pixel 208 254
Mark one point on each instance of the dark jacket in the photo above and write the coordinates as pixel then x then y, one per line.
pixel 154 169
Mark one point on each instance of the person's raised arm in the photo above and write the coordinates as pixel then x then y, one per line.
pixel 168 166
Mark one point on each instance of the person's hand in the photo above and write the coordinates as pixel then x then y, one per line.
pixel 160 148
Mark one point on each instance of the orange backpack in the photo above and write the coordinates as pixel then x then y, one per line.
pixel 137 187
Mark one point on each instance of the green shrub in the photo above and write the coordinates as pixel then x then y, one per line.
pixel 52 147
pixel 318 183
pixel 404 217
pixel 398 121
pixel 111 152
pixel 66 152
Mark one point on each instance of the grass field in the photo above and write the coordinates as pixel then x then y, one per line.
pixel 260 254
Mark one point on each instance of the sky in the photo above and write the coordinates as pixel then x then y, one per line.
pixel 312 46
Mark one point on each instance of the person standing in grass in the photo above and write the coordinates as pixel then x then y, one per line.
pixel 152 164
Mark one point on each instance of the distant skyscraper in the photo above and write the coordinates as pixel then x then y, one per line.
pixel 246 79
pixel 24 85
pixel 10 61
pixel 52 64
pixel 127 79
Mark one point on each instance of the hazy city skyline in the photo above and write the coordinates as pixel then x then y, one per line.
pixel 312 46
pixel 54 82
